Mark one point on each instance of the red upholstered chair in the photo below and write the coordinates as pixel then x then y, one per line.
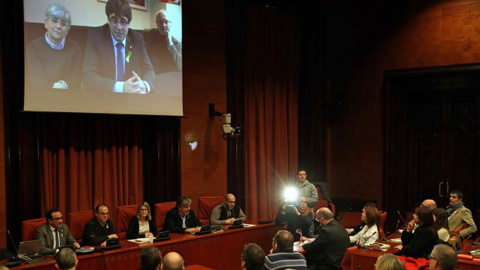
pixel 29 228
pixel 383 217
pixel 347 258
pixel 206 205
pixel 77 221
pixel 161 210
pixel 124 214
pixel 322 202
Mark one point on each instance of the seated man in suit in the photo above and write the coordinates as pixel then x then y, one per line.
pixel 460 218
pixel 54 234
pixel 114 55
pixel 181 219
pixel 327 250
pixel 227 212
pixel 99 229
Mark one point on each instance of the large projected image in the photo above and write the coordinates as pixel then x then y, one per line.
pixel 103 56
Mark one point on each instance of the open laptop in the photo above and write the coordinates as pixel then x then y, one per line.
pixel 204 230
pixel 237 224
pixel 30 251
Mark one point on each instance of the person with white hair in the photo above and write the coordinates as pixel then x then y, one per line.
pixel 52 60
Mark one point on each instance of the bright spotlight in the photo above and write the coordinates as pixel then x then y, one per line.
pixel 290 194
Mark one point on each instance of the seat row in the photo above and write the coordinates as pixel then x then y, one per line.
pixel 76 220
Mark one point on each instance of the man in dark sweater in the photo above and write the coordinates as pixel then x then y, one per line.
pixel 99 229
pixel 328 249
pixel 227 212
pixel 182 219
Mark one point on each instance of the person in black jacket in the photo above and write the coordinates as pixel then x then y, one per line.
pixel 327 250
pixel 142 225
pixel 99 229
pixel 181 219
pixel 298 219
pixel 421 242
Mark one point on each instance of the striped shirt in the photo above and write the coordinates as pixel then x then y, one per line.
pixel 285 260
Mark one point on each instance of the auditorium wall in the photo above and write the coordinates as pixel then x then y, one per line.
pixel 375 38
pixel 204 169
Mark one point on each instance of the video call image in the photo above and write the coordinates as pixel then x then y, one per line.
pixel 103 56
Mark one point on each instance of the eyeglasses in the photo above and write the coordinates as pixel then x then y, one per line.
pixel 303 201
pixel 231 201
pixel 57 21
pixel 164 21
pixel 57 218
pixel 103 213
pixel 116 21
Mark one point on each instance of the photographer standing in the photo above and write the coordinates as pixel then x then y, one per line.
pixel 298 218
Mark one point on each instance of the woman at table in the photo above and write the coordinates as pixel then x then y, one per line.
pixel 369 232
pixel 142 225
pixel 421 242
pixel 440 219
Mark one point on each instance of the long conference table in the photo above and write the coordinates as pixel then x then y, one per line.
pixel 219 250
pixel 365 259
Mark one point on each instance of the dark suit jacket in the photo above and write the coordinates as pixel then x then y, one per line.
pixel 99 61
pixel 173 221
pixel 418 244
pixel 329 247
pixel 134 227
pixel 44 234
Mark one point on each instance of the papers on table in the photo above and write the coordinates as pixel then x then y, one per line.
pixel 245 225
pixel 395 240
pixel 140 240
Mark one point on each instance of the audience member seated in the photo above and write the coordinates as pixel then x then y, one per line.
pixel 181 219
pixel 99 229
pixel 440 224
pixel 369 233
pixel 227 212
pixel 282 256
pixel 443 257
pixel 354 230
pixel 54 234
pixel 142 225
pixel 307 189
pixel 460 217
pixel 421 242
pixel 298 219
pixel 66 259
pixel 253 257
pixel 389 262
pixel 328 249
pixel 428 203
pixel 150 258
pixel 173 261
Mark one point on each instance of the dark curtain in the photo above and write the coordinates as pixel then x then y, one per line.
pixel 272 55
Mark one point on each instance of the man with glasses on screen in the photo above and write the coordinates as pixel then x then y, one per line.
pixel 55 234
pixel 99 229
pixel 164 50
pixel 115 57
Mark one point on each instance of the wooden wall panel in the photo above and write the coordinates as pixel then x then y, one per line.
pixel 419 34
pixel 203 170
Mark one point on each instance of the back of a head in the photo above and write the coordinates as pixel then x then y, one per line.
pixel 65 259
pixel 150 258
pixel 389 262
pixel 253 256
pixel 325 213
pixel 445 255
pixel 172 261
pixel 284 240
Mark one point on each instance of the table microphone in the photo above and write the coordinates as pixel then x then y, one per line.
pixel 367 239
